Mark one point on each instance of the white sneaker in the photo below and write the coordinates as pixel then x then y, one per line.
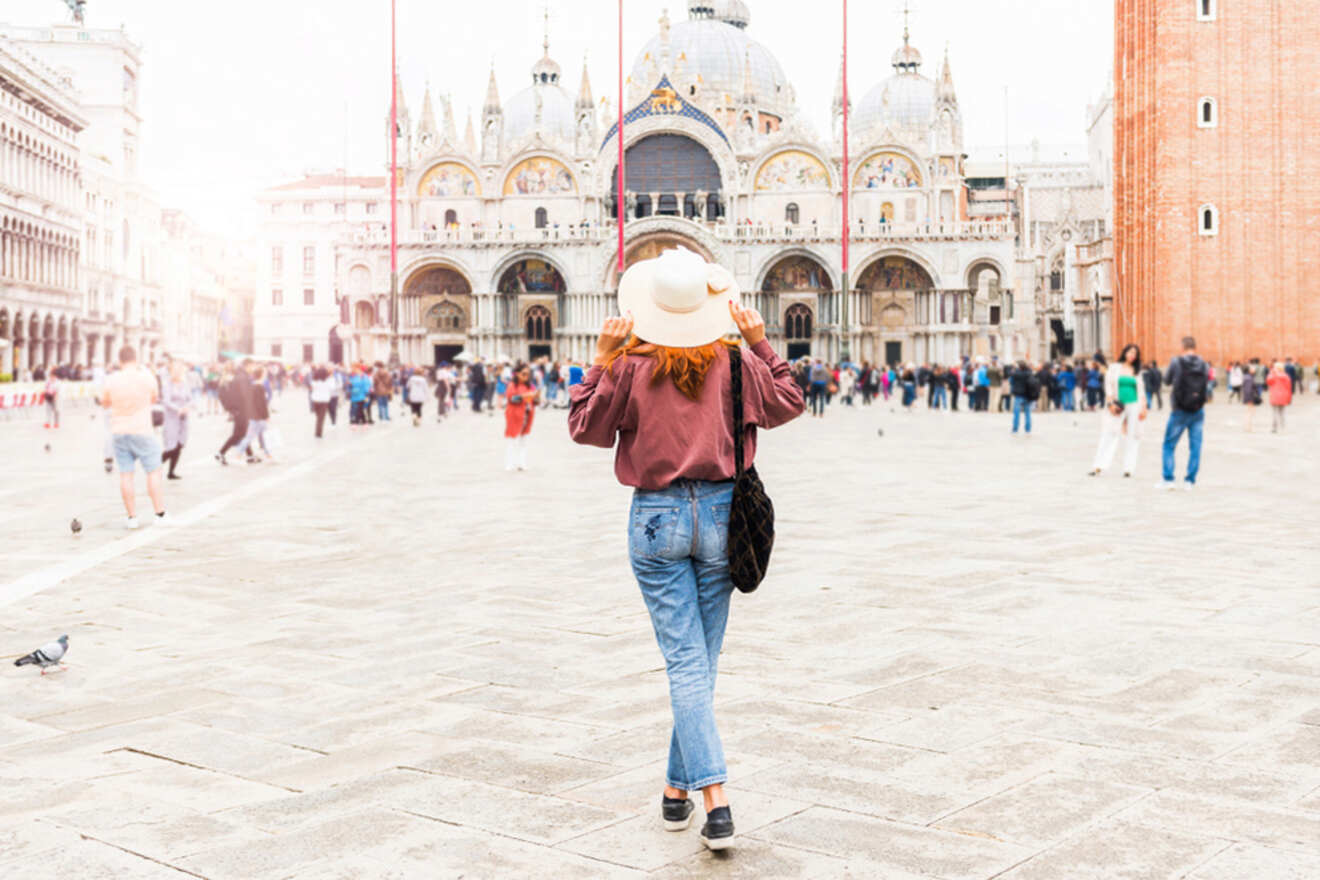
pixel 163 519
pixel 132 522
pixel 1188 485
pixel 1166 485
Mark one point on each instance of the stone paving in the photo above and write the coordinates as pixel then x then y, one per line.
pixel 384 657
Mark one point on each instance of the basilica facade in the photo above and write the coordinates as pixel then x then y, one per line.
pixel 508 243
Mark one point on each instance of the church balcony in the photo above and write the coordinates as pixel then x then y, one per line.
pixel 472 234
pixel 945 230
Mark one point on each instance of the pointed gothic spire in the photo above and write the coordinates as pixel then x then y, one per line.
pixel 838 89
pixel 427 125
pixel 944 88
pixel 584 101
pixel 470 137
pixel 492 94
pixel 451 130
pixel 398 95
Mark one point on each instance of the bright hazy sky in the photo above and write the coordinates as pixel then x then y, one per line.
pixel 238 95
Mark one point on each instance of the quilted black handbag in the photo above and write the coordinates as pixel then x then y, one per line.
pixel 751 515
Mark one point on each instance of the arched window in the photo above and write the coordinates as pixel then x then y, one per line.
pixel 446 317
pixel 451 217
pixel 797 322
pixel 542 218
pixel 791 213
pixel 1206 10
pixel 539 324
pixel 1207 220
pixel 1207 113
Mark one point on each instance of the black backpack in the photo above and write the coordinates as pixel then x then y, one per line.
pixel 1189 390
pixel 1033 386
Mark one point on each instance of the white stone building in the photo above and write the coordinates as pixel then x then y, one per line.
pixel 40 206
pixel 508 243
pixel 121 238
pixel 1067 257
pixel 298 284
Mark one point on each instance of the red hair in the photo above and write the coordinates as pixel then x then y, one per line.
pixel 686 367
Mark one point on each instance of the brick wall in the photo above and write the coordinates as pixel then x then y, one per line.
pixel 1242 292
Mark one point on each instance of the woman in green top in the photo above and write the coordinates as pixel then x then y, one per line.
pixel 1123 414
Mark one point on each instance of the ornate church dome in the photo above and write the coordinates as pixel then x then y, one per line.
pixel 712 51
pixel 543 106
pixel 904 100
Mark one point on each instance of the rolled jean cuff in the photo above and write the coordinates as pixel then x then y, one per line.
pixel 717 779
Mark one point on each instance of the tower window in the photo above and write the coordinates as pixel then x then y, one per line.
pixel 1206 10
pixel 1207 114
pixel 542 218
pixel 1208 220
pixel 791 213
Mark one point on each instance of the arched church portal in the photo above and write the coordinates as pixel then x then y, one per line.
pixel 797 274
pixel 894 273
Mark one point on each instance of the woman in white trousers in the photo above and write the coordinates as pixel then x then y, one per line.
pixel 1123 413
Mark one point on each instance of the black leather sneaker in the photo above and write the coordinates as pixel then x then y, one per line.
pixel 677 813
pixel 717 833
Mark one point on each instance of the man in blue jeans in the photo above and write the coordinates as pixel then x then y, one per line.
pixel 1189 378
pixel 1025 388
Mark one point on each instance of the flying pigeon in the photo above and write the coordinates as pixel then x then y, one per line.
pixel 76 525
pixel 47 655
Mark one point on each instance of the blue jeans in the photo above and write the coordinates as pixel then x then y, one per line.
pixel 1193 423
pixel 1021 406
pixel 1069 400
pixel 939 398
pixel 817 395
pixel 383 407
pixel 678 539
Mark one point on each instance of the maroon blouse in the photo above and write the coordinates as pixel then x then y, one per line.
pixel 663 435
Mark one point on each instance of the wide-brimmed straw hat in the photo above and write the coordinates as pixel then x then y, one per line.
pixel 678 300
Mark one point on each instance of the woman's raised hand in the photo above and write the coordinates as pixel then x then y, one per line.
pixel 750 323
pixel 614 334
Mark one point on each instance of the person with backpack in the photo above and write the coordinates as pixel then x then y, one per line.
pixel 1024 385
pixel 1251 395
pixel 1189 377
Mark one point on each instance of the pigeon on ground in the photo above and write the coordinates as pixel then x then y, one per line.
pixel 47 655
pixel 76 525
pixel 48 447
pixel 880 432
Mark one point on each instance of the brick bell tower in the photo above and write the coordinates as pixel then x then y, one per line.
pixel 1217 177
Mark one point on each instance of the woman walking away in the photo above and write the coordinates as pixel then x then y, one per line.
pixel 663 387
pixel 1281 386
pixel 415 390
pixel 176 399
pixel 322 390
pixel 1250 395
pixel 1123 415
pixel 520 399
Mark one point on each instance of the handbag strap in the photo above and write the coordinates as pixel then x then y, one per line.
pixel 735 382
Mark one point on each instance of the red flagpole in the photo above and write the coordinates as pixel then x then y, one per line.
pixel 845 136
pixel 619 199
pixel 394 195
pixel 847 187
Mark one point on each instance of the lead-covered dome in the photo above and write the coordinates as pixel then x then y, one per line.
pixel 543 106
pixel 904 100
pixel 712 51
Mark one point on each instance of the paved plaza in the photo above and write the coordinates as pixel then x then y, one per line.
pixel 385 657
